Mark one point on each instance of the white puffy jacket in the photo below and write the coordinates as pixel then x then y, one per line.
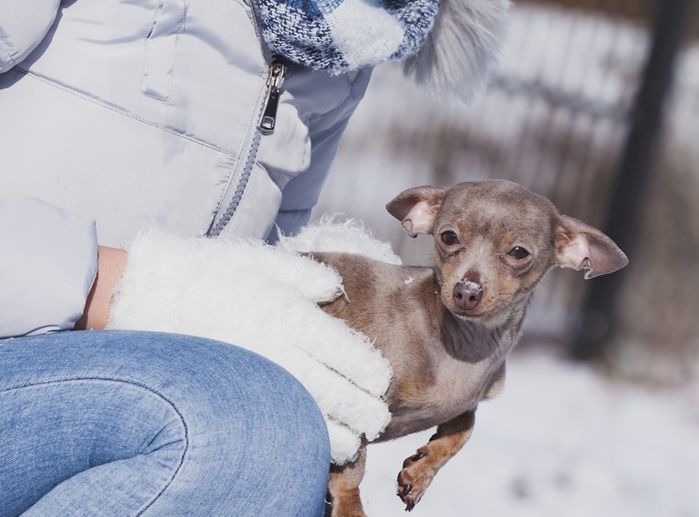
pixel 144 112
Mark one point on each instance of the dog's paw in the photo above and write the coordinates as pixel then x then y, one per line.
pixel 413 480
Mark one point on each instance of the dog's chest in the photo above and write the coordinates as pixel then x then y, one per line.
pixel 453 387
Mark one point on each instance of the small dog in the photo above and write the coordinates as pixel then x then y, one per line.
pixel 447 330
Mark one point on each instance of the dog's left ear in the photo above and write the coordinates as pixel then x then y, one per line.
pixel 416 208
pixel 580 246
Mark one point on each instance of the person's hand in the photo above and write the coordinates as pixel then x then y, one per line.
pixel 263 299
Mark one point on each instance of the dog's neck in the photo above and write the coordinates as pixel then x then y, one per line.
pixel 474 340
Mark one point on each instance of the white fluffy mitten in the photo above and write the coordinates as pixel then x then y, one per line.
pixel 263 299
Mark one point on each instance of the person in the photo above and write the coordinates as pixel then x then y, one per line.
pixel 215 119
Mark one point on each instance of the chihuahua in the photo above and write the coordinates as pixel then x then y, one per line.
pixel 446 330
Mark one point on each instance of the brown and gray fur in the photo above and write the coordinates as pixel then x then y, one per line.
pixel 447 330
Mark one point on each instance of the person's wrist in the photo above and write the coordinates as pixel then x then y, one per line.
pixel 111 263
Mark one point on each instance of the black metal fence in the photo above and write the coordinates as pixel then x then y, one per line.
pixel 632 176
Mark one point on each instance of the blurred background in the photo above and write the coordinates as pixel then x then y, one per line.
pixel 595 105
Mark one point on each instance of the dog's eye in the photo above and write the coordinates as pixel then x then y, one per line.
pixel 450 238
pixel 518 253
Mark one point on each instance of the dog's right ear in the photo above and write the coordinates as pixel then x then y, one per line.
pixel 416 208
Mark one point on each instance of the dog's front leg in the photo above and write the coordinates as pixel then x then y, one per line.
pixel 343 487
pixel 420 468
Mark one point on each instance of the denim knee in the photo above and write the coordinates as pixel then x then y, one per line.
pixel 253 440
pixel 250 424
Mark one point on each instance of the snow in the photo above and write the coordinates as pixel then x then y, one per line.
pixel 468 284
pixel 562 440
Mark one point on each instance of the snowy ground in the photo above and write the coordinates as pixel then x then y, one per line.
pixel 561 440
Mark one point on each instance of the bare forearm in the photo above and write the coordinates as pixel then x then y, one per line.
pixel 111 263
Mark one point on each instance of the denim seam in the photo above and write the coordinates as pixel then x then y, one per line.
pixel 138 385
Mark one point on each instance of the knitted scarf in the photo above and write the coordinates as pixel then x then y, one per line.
pixel 450 48
pixel 343 35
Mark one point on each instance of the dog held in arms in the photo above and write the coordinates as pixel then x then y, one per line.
pixel 447 330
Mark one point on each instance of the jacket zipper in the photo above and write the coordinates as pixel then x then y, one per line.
pixel 231 199
pixel 277 74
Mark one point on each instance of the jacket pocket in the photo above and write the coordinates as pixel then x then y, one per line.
pixel 160 51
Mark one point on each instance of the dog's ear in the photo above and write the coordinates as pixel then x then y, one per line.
pixel 580 246
pixel 416 208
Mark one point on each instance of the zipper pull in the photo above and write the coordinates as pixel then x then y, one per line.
pixel 277 71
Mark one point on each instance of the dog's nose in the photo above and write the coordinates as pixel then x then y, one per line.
pixel 467 294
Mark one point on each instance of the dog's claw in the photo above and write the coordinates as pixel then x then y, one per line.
pixel 410 482
pixel 414 479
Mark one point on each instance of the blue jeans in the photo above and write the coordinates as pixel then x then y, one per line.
pixel 130 423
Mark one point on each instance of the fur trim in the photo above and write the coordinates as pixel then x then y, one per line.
pixel 348 236
pixel 462 48
pixel 220 290
pixel 344 443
